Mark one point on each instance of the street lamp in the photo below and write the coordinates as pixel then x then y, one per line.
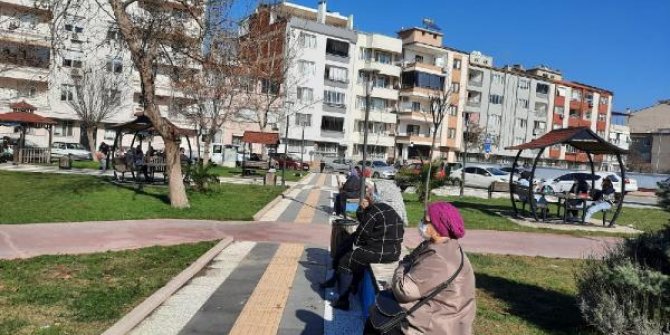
pixel 302 144
pixel 287 105
pixel 466 139
pixel 369 82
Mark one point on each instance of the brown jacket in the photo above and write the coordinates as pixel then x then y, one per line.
pixel 452 311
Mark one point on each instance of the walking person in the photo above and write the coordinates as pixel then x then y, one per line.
pixel 437 263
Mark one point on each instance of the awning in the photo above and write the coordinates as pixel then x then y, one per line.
pixel 24 118
pixel 260 138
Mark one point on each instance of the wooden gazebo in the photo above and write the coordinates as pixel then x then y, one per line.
pixel 581 138
pixel 23 116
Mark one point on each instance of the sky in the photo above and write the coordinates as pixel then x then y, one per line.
pixel 619 45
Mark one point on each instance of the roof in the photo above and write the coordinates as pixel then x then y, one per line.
pixel 142 123
pixel 260 137
pixel 22 105
pixel 581 138
pixel 26 118
pixel 650 119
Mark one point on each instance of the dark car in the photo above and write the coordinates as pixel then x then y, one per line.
pixel 291 162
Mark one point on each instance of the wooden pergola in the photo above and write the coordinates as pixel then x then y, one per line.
pixel 581 138
pixel 23 116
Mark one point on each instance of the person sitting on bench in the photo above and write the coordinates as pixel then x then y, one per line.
pixel 349 190
pixel 579 187
pixel 377 239
pixel 602 199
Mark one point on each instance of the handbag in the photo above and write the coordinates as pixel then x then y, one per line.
pixel 388 317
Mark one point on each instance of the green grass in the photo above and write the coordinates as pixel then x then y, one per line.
pixel 37 197
pixel 84 294
pixel 222 171
pixel 483 214
pixel 526 295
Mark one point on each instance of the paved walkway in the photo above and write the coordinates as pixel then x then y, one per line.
pixel 266 282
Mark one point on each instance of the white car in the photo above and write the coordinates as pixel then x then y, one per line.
pixel 564 183
pixel 480 176
pixel 338 164
pixel 75 150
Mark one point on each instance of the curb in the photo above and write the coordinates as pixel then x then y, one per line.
pixel 274 202
pixel 139 313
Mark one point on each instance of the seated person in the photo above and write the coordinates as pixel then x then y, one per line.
pixel 579 187
pixel 603 199
pixel 431 263
pixel 182 157
pixel 377 239
pixel 349 190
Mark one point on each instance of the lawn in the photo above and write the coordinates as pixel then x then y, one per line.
pixel 222 171
pixel 526 295
pixel 37 197
pixel 84 294
pixel 482 214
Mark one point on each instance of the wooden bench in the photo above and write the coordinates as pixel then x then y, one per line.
pixel 498 186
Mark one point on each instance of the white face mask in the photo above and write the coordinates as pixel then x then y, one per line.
pixel 423 230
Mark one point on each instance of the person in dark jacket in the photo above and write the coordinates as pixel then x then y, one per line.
pixel 377 239
pixel 580 186
pixel 351 189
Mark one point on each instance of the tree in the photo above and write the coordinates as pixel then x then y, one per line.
pixel 472 137
pixel 97 98
pixel 439 108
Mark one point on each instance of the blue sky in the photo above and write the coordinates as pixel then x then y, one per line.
pixel 620 45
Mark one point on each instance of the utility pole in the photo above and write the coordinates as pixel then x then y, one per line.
pixel 465 152
pixel 283 170
pixel 302 145
pixel 371 74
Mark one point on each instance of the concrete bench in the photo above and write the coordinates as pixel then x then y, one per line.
pixel 379 277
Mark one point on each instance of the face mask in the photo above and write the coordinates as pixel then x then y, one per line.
pixel 423 230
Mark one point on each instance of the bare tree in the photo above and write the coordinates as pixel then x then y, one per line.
pixel 97 98
pixel 439 108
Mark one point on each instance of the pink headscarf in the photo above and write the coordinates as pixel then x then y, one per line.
pixel 446 219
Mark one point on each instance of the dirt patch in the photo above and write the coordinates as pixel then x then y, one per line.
pixel 60 271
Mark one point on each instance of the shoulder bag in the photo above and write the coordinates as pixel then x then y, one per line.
pixel 388 317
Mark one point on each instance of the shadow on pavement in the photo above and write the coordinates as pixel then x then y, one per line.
pixel 313 322
pixel 316 266
pixel 550 310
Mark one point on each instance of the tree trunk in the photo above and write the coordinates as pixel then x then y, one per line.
pixel 178 198
pixel 207 153
pixel 91 142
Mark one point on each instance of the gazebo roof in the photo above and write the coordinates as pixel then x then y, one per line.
pixel 142 123
pixel 26 118
pixel 260 138
pixel 22 105
pixel 582 138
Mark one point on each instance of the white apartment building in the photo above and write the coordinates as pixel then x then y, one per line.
pixel 380 55
pixel 87 39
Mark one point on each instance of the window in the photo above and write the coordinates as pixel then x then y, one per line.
pixel 604 100
pixel 524 84
pixel 413 129
pixel 453 110
pixel 303 119
pixel 330 123
pixel 559 110
pixel 574 113
pixel 418 58
pixel 334 73
pixel 269 87
pixel 382 81
pixel 542 89
pixel 334 98
pixel 518 140
pixel 307 41
pixel 587 115
pixel 72 60
pixel 236 140
pixel 602 117
pixel 521 123
pixel 421 79
pixel 476 78
pixel 541 108
pixel 576 95
pixel 494 120
pixel 495 99
pixel 378 103
pixel 63 128
pixel 365 54
pixel 451 133
pixel 474 98
pixel 110 134
pixel 305 95
pixel 27 92
pixel 539 127
pixel 455 87
pixel 306 68
pixel 457 64
pixel 113 34
pixel 114 65
pixel 561 91
pixel 416 106
pixel 337 48
pixel 74 27
pixel 383 57
pixel 497 78
pixel 66 92
pixel 523 103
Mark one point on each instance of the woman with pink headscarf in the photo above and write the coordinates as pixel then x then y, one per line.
pixel 431 264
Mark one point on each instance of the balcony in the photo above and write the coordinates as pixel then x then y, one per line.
pixel 415 116
pixel 416 138
pixel 474 103
pixel 542 95
pixel 601 125
pixel 385 69
pixel 382 139
pixel 575 122
pixel 332 134
pixel 28 4
pixel 559 100
pixel 575 104
pixel 425 67
pixel 384 93
pixel 603 108
pixel 579 157
pixel 37 36
pixel 557 119
pixel 475 83
pixel 337 58
pixel 418 91
pixel 555 153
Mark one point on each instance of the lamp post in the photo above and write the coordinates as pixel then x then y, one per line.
pixel 288 105
pixel 369 82
pixel 302 145
pixel 466 139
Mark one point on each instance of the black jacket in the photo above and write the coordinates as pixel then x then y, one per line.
pixel 352 187
pixel 380 232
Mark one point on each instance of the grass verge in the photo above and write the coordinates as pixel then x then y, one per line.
pixel 38 197
pixel 84 294
pixel 483 214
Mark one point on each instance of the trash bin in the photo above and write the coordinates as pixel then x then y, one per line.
pixel 340 230
pixel 65 162
pixel 270 177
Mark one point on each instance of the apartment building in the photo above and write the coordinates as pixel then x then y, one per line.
pixel 650 138
pixel 619 135
pixel 34 77
pixel 377 60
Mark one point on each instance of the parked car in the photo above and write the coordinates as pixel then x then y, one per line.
pixel 480 176
pixel 665 183
pixel 564 183
pixel 77 151
pixel 508 169
pixel 292 162
pixel 338 164
pixel 380 169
